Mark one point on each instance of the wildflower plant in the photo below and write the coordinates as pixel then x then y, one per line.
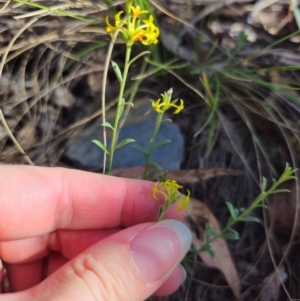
pixel 134 25
pixel 244 214
pixel 161 105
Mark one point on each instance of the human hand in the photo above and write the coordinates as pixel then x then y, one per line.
pixel 62 237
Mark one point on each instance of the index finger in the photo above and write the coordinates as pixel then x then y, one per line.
pixel 39 200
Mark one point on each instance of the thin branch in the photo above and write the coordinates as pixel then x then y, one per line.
pixel 11 136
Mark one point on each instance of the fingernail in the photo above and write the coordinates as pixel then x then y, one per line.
pixel 159 249
pixel 183 273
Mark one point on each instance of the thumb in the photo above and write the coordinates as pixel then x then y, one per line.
pixel 127 266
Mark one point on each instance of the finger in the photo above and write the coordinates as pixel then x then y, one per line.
pixel 29 274
pixel 129 265
pixel 172 283
pixel 24 264
pixel 54 262
pixel 38 200
pixel 69 242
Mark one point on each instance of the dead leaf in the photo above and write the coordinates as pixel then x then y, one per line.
pixel 27 135
pixel 272 284
pixel 181 176
pixel 282 216
pixel 63 97
pixel 199 216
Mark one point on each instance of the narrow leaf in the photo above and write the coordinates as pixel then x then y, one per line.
pixel 233 212
pixel 129 104
pixel 121 106
pixel 142 149
pixel 210 251
pixel 152 173
pixel 161 143
pixel 279 191
pixel 138 56
pixel 264 184
pixel 209 230
pixel 250 219
pixel 231 219
pixel 156 165
pixel 124 142
pixel 101 145
pixel 230 236
pixel 117 71
pixel 108 125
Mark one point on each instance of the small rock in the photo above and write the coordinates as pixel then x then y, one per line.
pixel 139 126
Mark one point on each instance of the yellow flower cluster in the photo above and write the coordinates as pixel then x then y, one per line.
pixel 134 28
pixel 169 190
pixel 163 104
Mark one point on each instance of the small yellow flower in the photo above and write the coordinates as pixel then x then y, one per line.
pixel 134 28
pixel 118 24
pixel 163 104
pixel 151 32
pixel 169 190
pixel 183 204
pixel 136 11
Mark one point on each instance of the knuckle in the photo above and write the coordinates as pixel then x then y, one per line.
pixel 100 281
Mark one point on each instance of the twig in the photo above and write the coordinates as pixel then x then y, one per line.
pixel 11 136
pixel 12 41
pixel 4 6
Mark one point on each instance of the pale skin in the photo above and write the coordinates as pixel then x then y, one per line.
pixel 62 235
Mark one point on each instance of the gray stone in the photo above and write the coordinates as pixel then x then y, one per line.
pixel 139 126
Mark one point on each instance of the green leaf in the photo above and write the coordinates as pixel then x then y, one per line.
pixel 187 267
pixel 209 231
pixel 161 143
pixel 250 219
pixel 279 191
pixel 233 212
pixel 264 184
pixel 124 142
pixel 242 38
pixel 108 125
pixel 138 56
pixel 101 145
pixel 152 172
pixel 121 108
pixel 163 177
pixel 129 104
pixel 117 71
pixel 156 165
pixel 230 220
pixel 210 251
pixel 166 120
pixel 142 149
pixel 231 234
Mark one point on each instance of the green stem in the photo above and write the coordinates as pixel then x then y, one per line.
pixel 152 144
pixel 119 108
pixel 258 200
